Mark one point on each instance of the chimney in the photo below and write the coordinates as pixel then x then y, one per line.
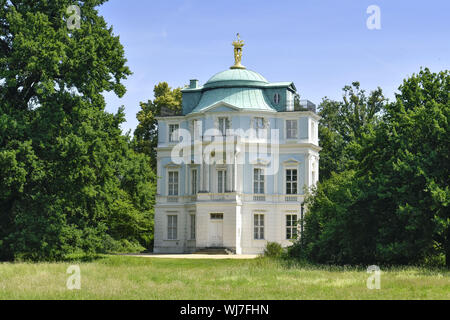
pixel 193 84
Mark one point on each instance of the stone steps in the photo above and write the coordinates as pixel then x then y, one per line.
pixel 213 251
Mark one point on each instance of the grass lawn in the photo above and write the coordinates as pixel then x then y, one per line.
pixel 123 277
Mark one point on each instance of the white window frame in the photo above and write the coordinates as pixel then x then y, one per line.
pixel 174 183
pixel 290 182
pixel 293 227
pixel 196 129
pixel 257 180
pixel 258 226
pixel 192 226
pixel 221 185
pixel 290 130
pixel 259 129
pixel 223 125
pixel 194 181
pixel 172 227
pixel 173 134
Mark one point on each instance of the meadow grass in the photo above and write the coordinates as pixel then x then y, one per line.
pixel 124 277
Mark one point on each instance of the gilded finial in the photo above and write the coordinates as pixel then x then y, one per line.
pixel 238 44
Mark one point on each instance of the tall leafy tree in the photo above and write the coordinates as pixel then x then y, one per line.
pixel 342 125
pixel 407 164
pixel 393 207
pixel 165 99
pixel 67 174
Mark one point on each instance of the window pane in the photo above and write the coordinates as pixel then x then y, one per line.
pixel 224 180
pixel 173 134
pixel 258 226
pixel 291 181
pixel 173 183
pixel 291 129
pixel 192 226
pixel 172 227
pixel 219 181
pixel 291 226
pixel 258 181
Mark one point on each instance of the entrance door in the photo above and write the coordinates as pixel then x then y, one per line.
pixel 216 230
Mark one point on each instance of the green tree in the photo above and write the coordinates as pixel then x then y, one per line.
pixel 407 164
pixel 342 125
pixel 67 173
pixel 392 208
pixel 338 227
pixel 166 100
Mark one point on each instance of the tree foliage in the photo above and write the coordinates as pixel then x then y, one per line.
pixel 69 181
pixel 392 207
pixel 342 125
pixel 146 133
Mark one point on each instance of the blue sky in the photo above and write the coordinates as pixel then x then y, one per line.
pixel 320 45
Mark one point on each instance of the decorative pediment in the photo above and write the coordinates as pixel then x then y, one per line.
pixel 260 162
pixel 221 106
pixel 291 162
pixel 172 165
pixel 193 164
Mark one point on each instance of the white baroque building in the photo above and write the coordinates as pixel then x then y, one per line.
pixel 233 168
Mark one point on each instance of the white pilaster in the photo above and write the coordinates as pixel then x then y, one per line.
pixel 207 178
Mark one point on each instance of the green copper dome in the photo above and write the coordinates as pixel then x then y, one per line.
pixel 238 89
pixel 236 77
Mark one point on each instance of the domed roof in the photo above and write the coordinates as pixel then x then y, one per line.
pixel 235 77
pixel 239 98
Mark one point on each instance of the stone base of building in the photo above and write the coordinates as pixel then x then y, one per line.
pixel 222 225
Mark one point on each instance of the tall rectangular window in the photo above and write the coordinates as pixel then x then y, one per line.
pixel 291 181
pixel 173 183
pixel 224 125
pixel 194 181
pixel 291 226
pixel 259 226
pixel 192 226
pixel 221 181
pixel 291 129
pixel 173 132
pixel 259 127
pixel 197 128
pixel 172 225
pixel 258 181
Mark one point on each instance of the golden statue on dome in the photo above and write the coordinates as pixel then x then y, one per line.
pixel 238 44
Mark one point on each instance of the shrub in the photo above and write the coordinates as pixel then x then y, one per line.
pixel 273 250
